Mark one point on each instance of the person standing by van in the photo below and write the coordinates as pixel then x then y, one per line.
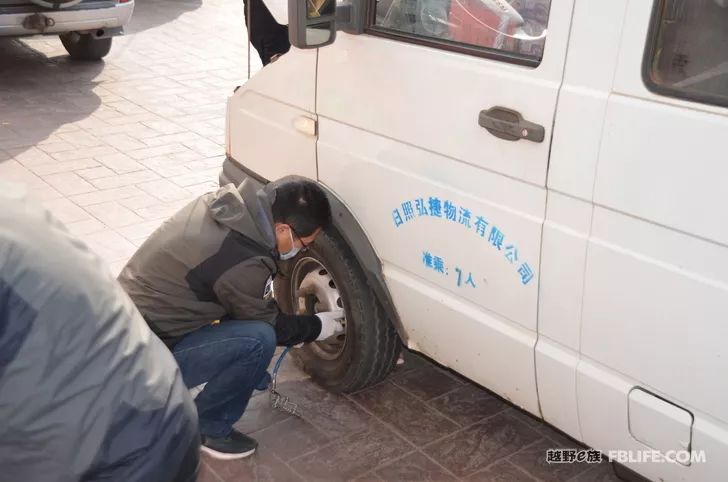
pixel 268 37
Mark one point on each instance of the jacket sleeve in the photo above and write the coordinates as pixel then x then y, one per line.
pixel 240 291
pixel 87 392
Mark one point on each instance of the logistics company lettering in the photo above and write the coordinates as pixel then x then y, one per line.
pixel 447 210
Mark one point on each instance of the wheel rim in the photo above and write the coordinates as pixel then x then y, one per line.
pixel 314 290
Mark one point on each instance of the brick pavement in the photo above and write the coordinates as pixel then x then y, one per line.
pixel 421 424
pixel 114 148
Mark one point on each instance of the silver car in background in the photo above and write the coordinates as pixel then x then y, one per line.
pixel 85 27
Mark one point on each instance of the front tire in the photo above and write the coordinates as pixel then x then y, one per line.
pixel 325 278
pixel 85 46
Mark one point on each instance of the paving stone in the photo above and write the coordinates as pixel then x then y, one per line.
pixel 132 119
pixel 182 136
pixel 142 200
pixel 410 416
pixel 127 179
pixel 468 404
pixel 56 167
pixel 156 151
pixel 95 172
pixel 165 126
pixel 165 166
pixel 203 188
pixel 291 438
pixel 81 139
pixel 533 461
pixel 119 163
pixel 110 245
pixel 369 477
pixel 502 471
pixel 195 177
pixel 161 210
pixel 31 157
pixel 205 164
pixel 69 183
pixel 113 214
pixel 84 153
pixel 139 231
pixel 124 142
pixel 206 474
pixel 87 226
pixel 331 413
pixel 410 361
pixel 353 455
pixel 415 468
pixel 259 414
pixel 106 195
pixel 262 466
pixel 66 211
pixel 602 472
pixel 205 147
pixel 165 190
pixel 427 382
pixel 479 445
pixel 59 146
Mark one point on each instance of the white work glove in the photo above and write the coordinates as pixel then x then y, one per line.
pixel 330 324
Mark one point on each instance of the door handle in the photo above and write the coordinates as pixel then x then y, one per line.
pixel 306 125
pixel 510 125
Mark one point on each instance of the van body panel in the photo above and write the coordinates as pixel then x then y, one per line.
pixel 418 138
pixel 656 287
pixel 264 118
pixel 556 375
pixel 595 39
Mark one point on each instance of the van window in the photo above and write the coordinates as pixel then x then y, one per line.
pixel 687 52
pixel 510 30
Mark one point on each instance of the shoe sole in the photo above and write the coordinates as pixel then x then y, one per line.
pixel 225 456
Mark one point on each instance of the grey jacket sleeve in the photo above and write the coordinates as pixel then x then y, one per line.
pixel 240 291
pixel 87 392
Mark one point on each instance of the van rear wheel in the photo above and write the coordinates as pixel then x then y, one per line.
pixel 327 278
pixel 85 46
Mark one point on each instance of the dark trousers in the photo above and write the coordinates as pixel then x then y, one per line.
pixel 267 36
pixel 232 358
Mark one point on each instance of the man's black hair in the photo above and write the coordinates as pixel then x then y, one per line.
pixel 303 205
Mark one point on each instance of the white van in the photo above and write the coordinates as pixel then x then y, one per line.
pixel 533 193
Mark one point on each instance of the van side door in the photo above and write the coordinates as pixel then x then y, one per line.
pixel 435 128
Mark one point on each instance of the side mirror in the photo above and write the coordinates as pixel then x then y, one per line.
pixel 311 23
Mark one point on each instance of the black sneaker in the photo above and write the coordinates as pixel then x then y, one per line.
pixel 235 446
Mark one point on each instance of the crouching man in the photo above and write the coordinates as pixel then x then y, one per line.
pixel 200 282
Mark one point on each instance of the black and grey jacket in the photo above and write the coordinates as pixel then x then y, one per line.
pixel 212 261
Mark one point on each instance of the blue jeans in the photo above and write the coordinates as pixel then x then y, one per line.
pixel 232 358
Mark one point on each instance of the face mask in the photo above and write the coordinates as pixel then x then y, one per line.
pixel 292 252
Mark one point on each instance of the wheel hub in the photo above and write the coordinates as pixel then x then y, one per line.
pixel 315 291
